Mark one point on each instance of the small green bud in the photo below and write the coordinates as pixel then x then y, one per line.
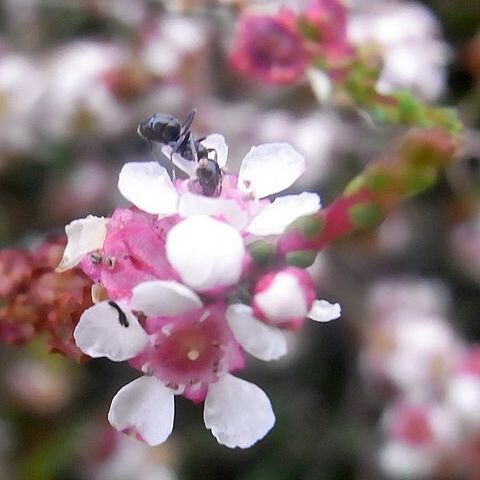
pixel 301 258
pixel 310 226
pixel 378 180
pixel 263 253
pixel 418 180
pixel 354 185
pixel 365 215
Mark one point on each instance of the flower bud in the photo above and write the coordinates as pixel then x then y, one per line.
pixel 284 298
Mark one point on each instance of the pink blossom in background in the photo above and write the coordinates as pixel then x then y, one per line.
pixel 325 22
pixel 269 48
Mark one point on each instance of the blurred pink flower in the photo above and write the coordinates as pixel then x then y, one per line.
pixel 270 48
pixel 38 299
pixel 325 24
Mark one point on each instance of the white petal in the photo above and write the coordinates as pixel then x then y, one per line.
pixel 144 407
pixel 84 236
pixel 217 142
pixel 161 297
pixel 257 338
pixel 283 300
pixel 320 84
pixel 237 412
pixel 323 311
pixel 102 332
pixel 275 217
pixel 205 252
pixel 270 168
pixel 187 166
pixel 148 186
pixel 191 204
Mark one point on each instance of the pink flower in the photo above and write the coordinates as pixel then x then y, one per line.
pixel 325 25
pixel 185 348
pixel 133 252
pixel 15 270
pixel 269 48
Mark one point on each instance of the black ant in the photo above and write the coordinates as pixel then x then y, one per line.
pixel 167 130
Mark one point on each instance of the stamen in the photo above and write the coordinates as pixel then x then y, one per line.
pixel 178 389
pixel 96 257
pixel 216 366
pixel 167 329
pixel 109 262
pixel 193 355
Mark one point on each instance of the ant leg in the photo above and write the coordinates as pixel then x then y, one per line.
pixel 188 122
pixel 215 157
pixel 174 172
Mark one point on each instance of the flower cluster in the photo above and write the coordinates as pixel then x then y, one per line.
pixel 35 298
pixel 186 283
pixel 363 60
pixel 431 379
pixel 279 48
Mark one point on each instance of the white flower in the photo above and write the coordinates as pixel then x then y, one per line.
pixel 205 252
pixel 237 412
pixel 265 170
pixel 282 300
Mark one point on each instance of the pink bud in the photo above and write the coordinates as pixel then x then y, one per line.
pixel 284 298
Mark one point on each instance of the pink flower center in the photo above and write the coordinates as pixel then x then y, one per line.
pixel 191 350
pixel 272 44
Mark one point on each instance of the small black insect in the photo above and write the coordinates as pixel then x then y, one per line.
pixel 167 130
pixel 122 318
pixel 209 176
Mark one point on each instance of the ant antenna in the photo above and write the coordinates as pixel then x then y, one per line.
pixel 188 122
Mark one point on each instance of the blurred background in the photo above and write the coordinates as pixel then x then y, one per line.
pixel 391 390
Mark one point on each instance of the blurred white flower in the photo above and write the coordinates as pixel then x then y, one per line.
pixel 128 459
pixel 21 86
pixel 407 36
pixel 465 246
pixel 169 40
pixel 408 293
pixel 78 97
pixel 314 135
pixel 419 439
pixel 409 343
pixel 463 390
